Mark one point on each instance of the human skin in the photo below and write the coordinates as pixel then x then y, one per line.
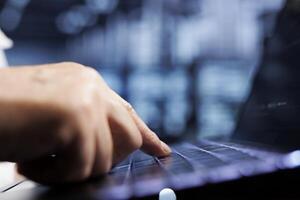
pixel 61 123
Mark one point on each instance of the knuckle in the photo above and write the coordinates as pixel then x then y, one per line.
pixel 72 123
pixel 76 109
pixel 128 106
pixel 84 107
pixel 114 106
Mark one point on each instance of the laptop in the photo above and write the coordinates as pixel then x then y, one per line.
pixel 262 152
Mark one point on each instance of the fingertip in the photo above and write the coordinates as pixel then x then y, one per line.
pixel 165 149
pixel 151 142
pixel 153 145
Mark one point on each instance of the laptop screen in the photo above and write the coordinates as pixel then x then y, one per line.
pixel 272 113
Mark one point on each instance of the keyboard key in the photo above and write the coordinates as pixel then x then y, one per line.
pixel 176 164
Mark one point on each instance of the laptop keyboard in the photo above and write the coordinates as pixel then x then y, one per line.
pixel 185 158
pixel 189 165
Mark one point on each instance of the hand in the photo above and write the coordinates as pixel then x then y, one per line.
pixel 62 123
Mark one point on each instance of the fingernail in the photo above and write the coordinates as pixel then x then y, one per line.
pixel 165 147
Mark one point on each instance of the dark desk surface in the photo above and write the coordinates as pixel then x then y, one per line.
pixel 282 185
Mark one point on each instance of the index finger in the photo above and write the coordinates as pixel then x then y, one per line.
pixel 151 143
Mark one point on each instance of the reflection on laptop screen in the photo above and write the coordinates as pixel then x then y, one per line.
pixel 272 113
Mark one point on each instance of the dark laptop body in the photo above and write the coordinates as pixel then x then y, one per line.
pixel 260 158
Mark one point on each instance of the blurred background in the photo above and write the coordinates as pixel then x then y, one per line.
pixel 185 65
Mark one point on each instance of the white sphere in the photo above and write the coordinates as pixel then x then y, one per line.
pixel 167 194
